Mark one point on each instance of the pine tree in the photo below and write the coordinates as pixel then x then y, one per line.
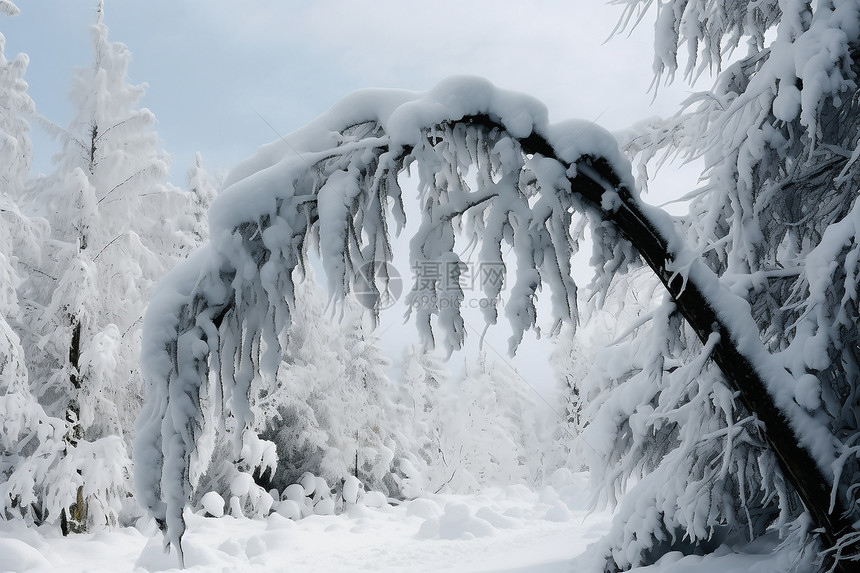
pixel 486 431
pixel 517 408
pixel 369 409
pixel 570 364
pixel 22 419
pixel 424 376
pixel 328 410
pixel 115 229
pixel 202 192
pixel 776 218
pixel 15 146
pixel 43 476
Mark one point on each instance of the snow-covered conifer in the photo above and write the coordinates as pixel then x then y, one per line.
pixel 424 375
pixel 778 136
pixel 369 409
pixel 570 363
pixel 487 431
pixel 15 103
pixel 203 191
pixel 43 477
pixel 290 410
pixel 329 410
pixel 114 232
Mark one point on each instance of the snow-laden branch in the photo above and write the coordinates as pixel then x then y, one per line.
pixel 489 165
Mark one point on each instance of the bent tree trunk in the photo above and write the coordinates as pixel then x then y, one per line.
pixel 339 180
pixel 696 295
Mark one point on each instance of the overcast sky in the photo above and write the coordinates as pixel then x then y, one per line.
pixel 214 67
pixel 225 77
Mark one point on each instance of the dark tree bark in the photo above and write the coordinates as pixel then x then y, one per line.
pixel 73 413
pixel 796 462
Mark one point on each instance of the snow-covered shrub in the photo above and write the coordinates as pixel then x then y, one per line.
pixel 238 482
pixel 44 478
pixel 456 522
pixel 313 496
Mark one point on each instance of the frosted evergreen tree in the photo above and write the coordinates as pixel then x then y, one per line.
pixel 424 377
pixel 28 433
pixel 570 363
pixel 487 431
pixel 15 146
pixel 329 410
pixel 369 409
pixel 202 190
pixel 36 483
pixel 518 410
pixel 114 231
pixel 621 312
pixel 42 476
pixel 290 412
pixel 776 218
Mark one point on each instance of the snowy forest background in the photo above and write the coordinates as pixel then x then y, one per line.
pixel 84 247
pixel 306 415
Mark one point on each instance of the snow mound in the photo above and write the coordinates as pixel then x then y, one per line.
pixel 325 507
pixel 18 556
pixel 423 508
pixel 154 558
pixel 558 513
pixel 457 522
pixel 495 519
pixel 213 504
pixel 290 509
pixel 294 492
pixel 572 488
pixel 351 489
pixel 375 499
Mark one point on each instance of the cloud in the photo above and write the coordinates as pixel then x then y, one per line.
pixel 554 50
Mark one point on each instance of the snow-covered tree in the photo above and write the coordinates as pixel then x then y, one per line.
pixel 485 431
pixel 621 312
pixel 570 362
pixel 755 401
pixel 313 367
pixel 28 435
pixel 518 413
pixel 36 483
pixel 202 190
pixel 15 103
pixel 114 231
pixel 776 218
pixel 423 376
pixel 364 419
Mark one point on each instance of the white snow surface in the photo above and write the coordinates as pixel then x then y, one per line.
pixel 510 529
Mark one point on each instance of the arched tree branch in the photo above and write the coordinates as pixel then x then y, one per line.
pixel 530 176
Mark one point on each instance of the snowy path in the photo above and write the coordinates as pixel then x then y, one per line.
pixel 509 530
pixel 504 530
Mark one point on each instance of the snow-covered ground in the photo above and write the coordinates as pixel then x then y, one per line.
pixel 510 530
